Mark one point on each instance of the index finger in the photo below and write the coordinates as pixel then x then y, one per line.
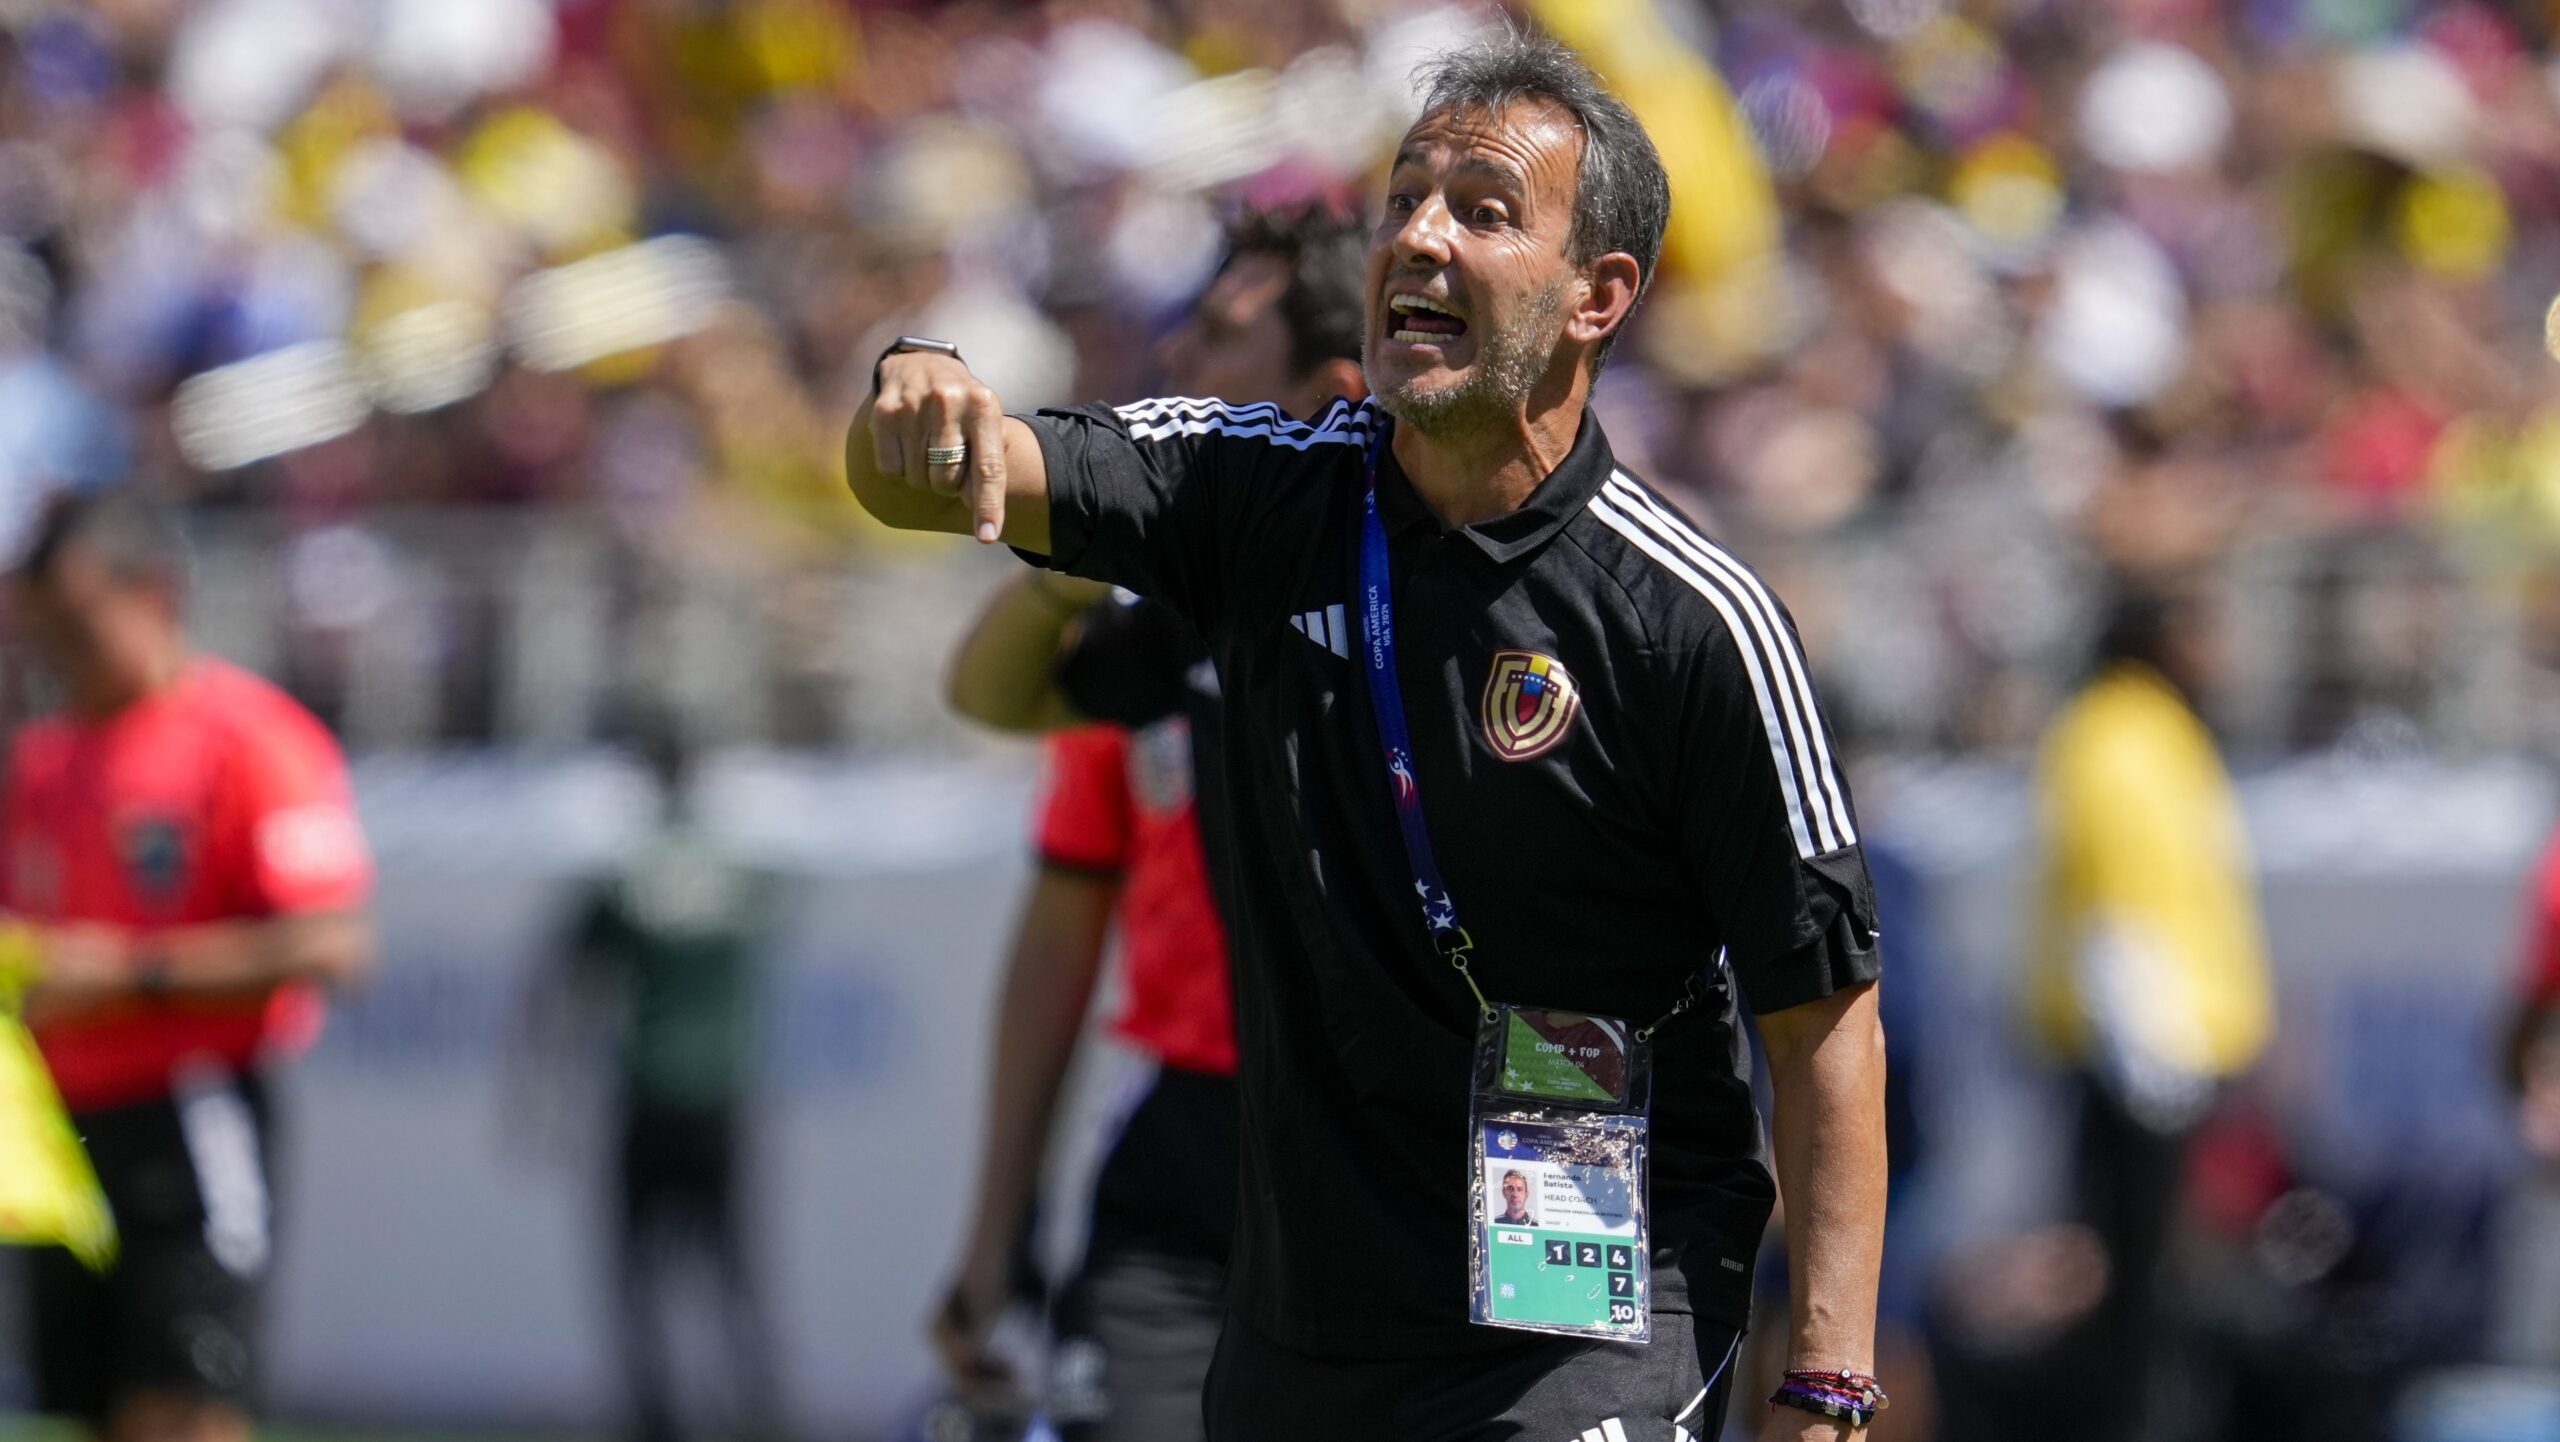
pixel 986 468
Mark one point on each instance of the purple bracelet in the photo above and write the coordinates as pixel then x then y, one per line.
pixel 1853 1397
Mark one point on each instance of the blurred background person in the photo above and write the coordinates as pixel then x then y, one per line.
pixel 1133 829
pixel 183 837
pixel 2525 1324
pixel 2149 978
pixel 662 965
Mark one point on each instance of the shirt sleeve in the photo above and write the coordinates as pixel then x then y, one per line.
pixel 1085 822
pixel 306 849
pixel 2542 939
pixel 1130 663
pixel 1765 819
pixel 1158 496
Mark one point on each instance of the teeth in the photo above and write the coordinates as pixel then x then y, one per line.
pixel 1408 304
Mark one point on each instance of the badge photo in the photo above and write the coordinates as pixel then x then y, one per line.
pixel 1529 703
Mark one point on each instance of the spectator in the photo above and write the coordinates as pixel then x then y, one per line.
pixel 2149 976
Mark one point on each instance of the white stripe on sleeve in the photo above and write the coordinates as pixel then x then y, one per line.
pixel 1756 600
pixel 1790 780
pixel 1341 424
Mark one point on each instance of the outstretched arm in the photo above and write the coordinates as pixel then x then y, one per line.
pixel 927 402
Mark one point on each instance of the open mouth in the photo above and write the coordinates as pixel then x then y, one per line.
pixel 1420 319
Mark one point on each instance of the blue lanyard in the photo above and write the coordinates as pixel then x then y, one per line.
pixel 1386 700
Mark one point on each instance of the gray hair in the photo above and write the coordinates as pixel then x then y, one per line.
pixel 1622 198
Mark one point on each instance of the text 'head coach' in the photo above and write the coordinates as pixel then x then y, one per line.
pixel 1532 795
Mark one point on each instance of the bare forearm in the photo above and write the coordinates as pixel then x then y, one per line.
pixel 1005 673
pixel 228 958
pixel 1826 1064
pixel 1048 985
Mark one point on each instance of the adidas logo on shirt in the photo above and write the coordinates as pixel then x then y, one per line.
pixel 1329 628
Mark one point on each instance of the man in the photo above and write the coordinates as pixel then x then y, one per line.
pixel 1131 832
pixel 185 836
pixel 2150 976
pixel 670 943
pixel 1608 733
pixel 1515 1202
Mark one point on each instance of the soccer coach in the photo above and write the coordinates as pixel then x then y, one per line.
pixel 1606 729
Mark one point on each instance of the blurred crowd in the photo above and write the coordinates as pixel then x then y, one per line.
pixel 2260 289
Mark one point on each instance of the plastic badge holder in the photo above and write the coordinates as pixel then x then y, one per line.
pixel 1559 1163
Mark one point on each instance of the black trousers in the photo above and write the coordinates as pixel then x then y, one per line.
pixel 1543 1390
pixel 2128 1178
pixel 1137 1326
pixel 181 1311
pixel 678 1204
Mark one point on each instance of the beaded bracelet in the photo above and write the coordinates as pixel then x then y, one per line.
pixel 1853 1397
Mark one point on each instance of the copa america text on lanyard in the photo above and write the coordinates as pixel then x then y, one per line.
pixel 1386 700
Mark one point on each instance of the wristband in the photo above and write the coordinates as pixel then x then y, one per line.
pixel 911 343
pixel 151 975
pixel 1852 1397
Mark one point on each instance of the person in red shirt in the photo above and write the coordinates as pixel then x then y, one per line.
pixel 1122 835
pixel 1117 836
pixel 2533 1040
pixel 183 840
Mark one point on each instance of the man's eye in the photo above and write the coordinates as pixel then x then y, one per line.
pixel 1401 204
pixel 1487 215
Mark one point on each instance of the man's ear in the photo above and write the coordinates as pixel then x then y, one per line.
pixel 1338 378
pixel 1610 285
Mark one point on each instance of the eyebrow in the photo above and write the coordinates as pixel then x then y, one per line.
pixel 1502 174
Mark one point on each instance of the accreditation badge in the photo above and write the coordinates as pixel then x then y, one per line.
pixel 1558 1156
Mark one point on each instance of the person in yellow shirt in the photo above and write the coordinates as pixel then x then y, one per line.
pixel 2148 979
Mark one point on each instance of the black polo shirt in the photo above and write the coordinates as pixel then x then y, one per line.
pixel 1665 790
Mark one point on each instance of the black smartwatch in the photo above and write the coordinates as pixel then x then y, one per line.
pixel 906 343
pixel 151 975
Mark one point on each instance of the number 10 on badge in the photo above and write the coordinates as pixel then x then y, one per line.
pixel 1558 1151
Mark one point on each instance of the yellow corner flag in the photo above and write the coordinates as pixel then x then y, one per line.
pixel 49 1194
pixel 1724 213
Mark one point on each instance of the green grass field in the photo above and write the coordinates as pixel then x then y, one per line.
pixel 15 1428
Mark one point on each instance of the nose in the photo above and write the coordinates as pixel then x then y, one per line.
pixel 1422 241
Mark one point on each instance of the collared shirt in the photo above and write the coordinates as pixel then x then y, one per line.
pixel 1120 804
pixel 217 798
pixel 1623 772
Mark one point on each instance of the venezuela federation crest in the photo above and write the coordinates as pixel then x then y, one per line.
pixel 1529 703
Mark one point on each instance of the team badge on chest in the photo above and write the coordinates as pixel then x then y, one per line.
pixel 1529 703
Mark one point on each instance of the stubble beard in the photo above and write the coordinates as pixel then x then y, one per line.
pixel 1495 389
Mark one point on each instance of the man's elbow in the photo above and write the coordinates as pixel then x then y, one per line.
pixel 1845 1027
